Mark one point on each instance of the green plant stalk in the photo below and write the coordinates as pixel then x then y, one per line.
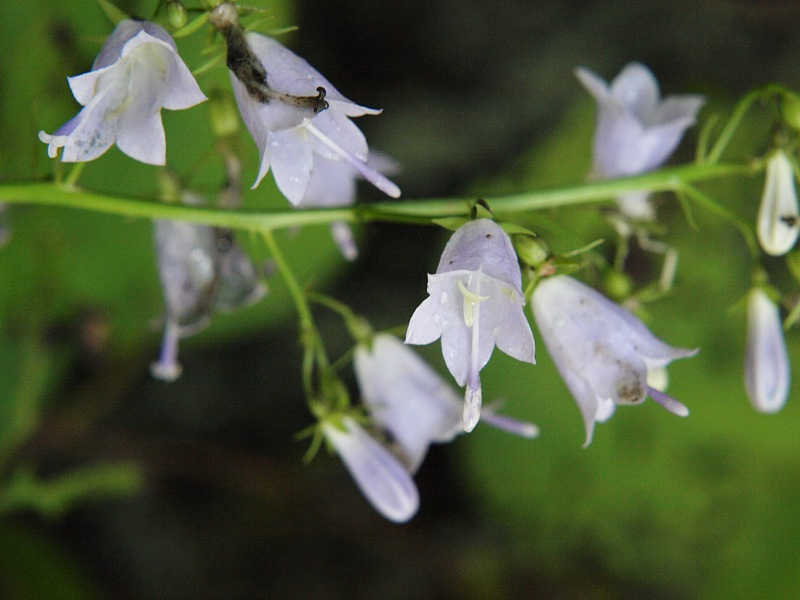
pixel 313 350
pixel 414 211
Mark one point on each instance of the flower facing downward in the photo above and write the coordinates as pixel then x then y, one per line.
pixel 766 367
pixel 636 131
pixel 202 270
pixel 293 136
pixel 137 73
pixel 380 476
pixel 778 213
pixel 475 303
pixel 409 400
pixel 603 353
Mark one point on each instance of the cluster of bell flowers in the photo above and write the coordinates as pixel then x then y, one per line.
pixel 605 355
pixel 636 132
pixel 314 150
pixel 410 407
pixel 316 155
pixel 603 352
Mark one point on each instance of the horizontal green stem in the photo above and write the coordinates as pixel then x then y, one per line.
pixel 53 194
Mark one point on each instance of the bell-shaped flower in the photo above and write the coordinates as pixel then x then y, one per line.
pixel 202 269
pixel 778 214
pixel 766 366
pixel 475 302
pixel 636 130
pixel 379 475
pixel 137 73
pixel 603 352
pixel 292 136
pixel 409 400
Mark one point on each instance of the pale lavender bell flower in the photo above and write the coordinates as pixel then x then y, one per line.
pixel 603 352
pixel 292 138
pixel 776 224
pixel 137 73
pixel 411 401
pixel 379 475
pixel 475 302
pixel 202 270
pixel 636 130
pixel 766 367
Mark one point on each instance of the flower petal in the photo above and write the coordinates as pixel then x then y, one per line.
pixel 767 368
pixel 377 473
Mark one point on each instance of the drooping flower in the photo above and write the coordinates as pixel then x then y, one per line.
pixel 475 302
pixel 766 366
pixel 409 400
pixel 137 73
pixel 379 475
pixel 778 213
pixel 636 131
pixel 202 269
pixel 290 123
pixel 603 352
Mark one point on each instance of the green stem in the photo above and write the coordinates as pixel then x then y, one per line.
pixel 416 211
pixel 313 351
pixel 738 114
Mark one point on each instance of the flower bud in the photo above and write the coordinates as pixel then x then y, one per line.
pixel 530 251
pixel 176 14
pixel 766 367
pixel 777 216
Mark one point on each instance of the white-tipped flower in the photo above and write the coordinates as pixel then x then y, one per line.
pixel 475 303
pixel 137 73
pixel 291 138
pixel 379 475
pixel 636 131
pixel 603 352
pixel 409 400
pixel 766 366
pixel 778 213
pixel 202 269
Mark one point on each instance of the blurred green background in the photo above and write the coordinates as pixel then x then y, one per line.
pixel 113 485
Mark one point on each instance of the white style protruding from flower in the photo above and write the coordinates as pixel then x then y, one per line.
pixel 778 214
pixel 636 131
pixel 407 398
pixel 604 354
pixel 766 366
pixel 379 475
pixel 292 139
pixel 475 303
pixel 137 73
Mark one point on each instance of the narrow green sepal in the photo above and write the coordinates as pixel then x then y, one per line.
pixel 514 229
pixel 115 14
pixel 191 27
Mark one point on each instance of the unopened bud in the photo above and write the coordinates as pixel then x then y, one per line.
pixel 530 250
pixel 176 14
pixel 617 285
